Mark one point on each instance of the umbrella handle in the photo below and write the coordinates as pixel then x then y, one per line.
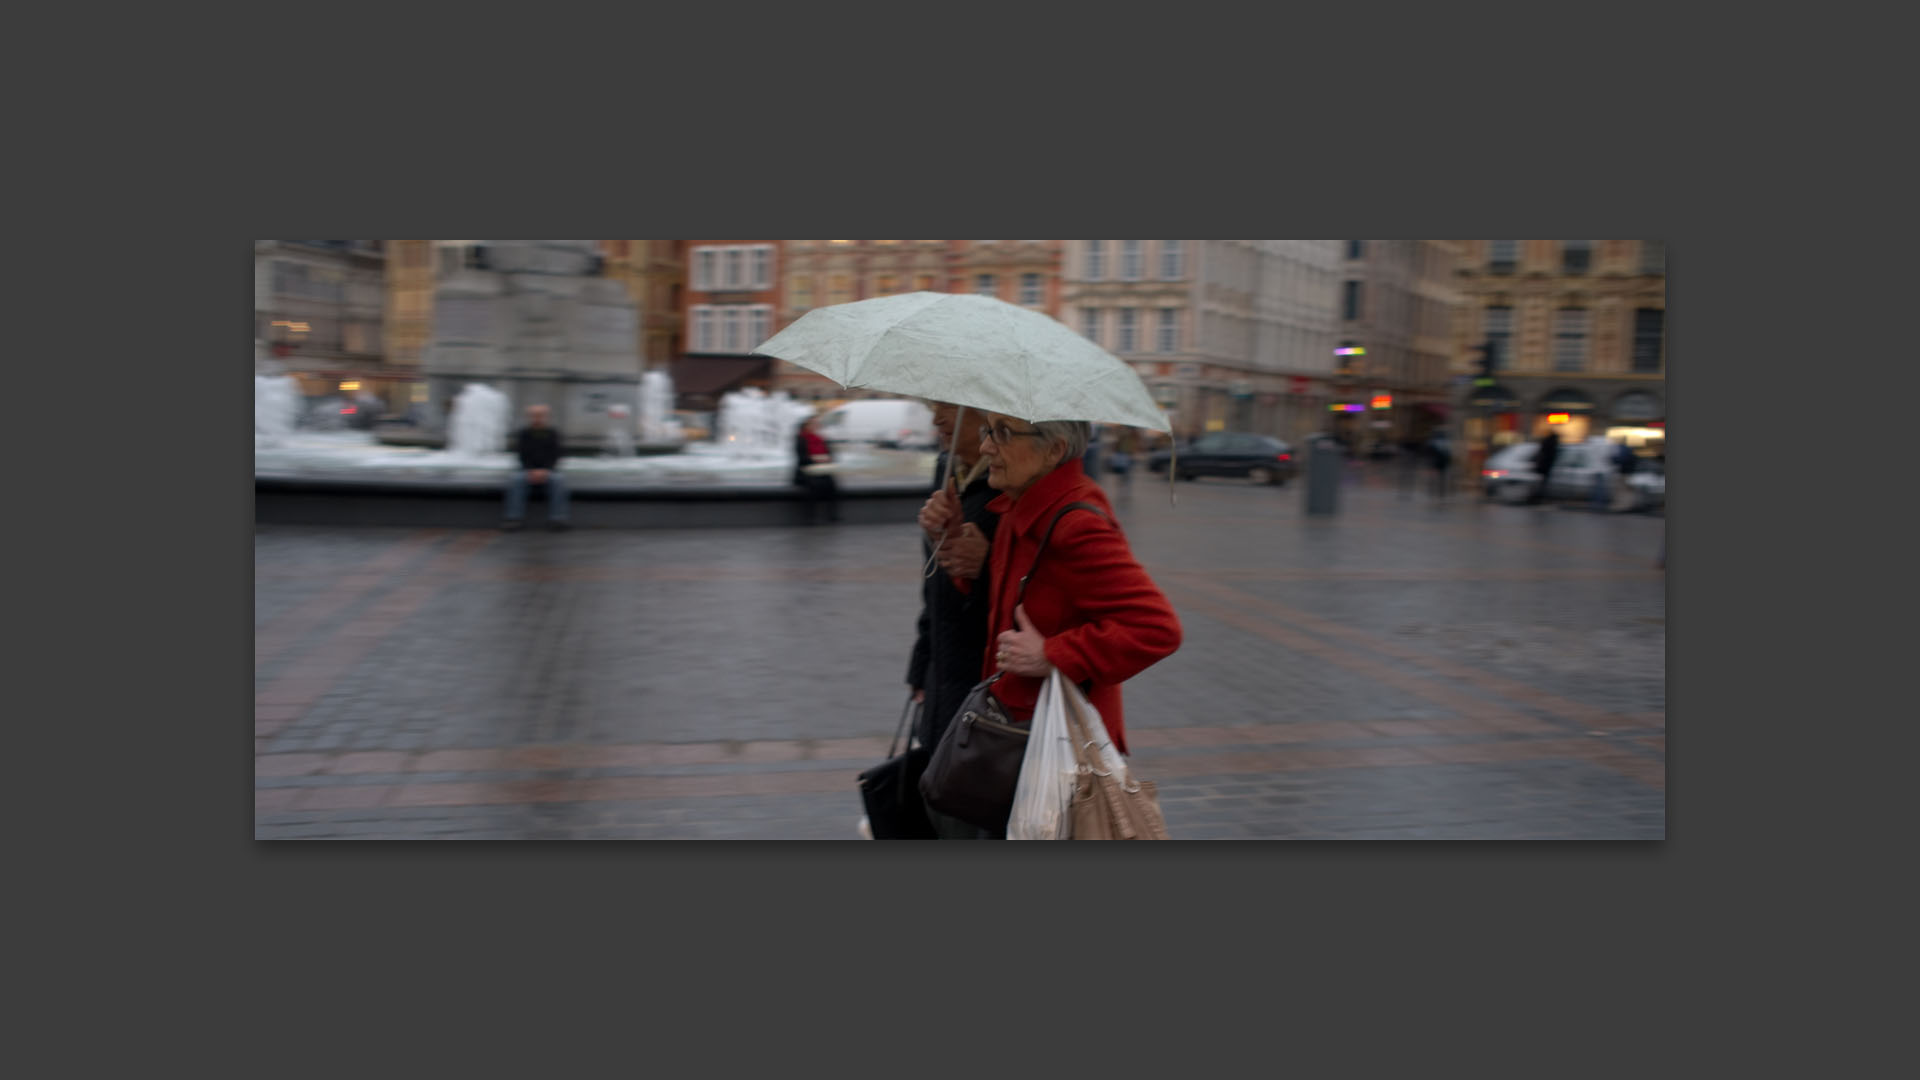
pixel 935 557
pixel 953 451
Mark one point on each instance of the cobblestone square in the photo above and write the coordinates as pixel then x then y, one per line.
pixel 1409 668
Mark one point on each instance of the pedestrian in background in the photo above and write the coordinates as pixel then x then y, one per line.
pixel 1543 461
pixel 538 446
pixel 1126 445
pixel 1625 461
pixel 1091 459
pixel 1412 450
pixel 953 624
pixel 810 474
pixel 1440 456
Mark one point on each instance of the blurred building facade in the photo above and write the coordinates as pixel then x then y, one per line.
pixel 1229 334
pixel 319 315
pixel 1578 329
pixel 1397 305
pixel 1021 272
pixel 655 273
pixel 728 309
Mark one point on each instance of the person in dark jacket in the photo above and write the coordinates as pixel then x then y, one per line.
pixel 539 447
pixel 953 624
pixel 1543 460
pixel 1440 456
pixel 823 491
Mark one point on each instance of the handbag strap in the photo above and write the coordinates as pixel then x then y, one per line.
pixel 1047 536
pixel 894 746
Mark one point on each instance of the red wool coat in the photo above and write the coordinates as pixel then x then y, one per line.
pixel 1104 619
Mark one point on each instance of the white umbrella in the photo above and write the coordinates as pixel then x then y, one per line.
pixel 969 350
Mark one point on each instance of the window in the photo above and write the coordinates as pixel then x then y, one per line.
pixel 1498 323
pixel 887 285
pixel 1576 256
pixel 1649 325
pixel 1129 260
pixel 1653 256
pixel 739 266
pixel 1090 324
pixel 1503 256
pixel 1127 317
pixel 923 283
pixel 1096 260
pixel 1355 248
pixel 1350 301
pixel 1570 339
pixel 1030 289
pixel 362 338
pixel 759 321
pixel 839 289
pixel 730 329
pixel 983 284
pixel 1169 330
pixel 1172 259
pixel 801 290
pixel 703 328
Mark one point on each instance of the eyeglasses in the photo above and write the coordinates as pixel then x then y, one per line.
pixel 1002 434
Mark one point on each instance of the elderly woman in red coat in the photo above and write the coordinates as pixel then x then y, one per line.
pixel 1089 609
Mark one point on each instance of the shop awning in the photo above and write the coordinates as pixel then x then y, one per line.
pixel 1566 400
pixel 1493 397
pixel 1637 406
pixel 716 374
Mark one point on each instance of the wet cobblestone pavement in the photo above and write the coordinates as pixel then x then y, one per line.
pixel 1408 669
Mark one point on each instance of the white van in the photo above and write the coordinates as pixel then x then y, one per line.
pixel 890 423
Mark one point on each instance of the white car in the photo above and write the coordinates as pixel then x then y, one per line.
pixel 1509 476
pixel 884 422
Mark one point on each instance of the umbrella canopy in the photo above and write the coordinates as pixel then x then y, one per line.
pixel 969 350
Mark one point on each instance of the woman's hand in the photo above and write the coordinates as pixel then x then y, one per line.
pixel 1022 651
pixel 964 553
pixel 940 514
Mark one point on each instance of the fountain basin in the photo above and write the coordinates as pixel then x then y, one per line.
pixel 349 478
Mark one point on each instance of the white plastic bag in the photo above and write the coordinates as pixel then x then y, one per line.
pixel 1047 772
pixel 1111 759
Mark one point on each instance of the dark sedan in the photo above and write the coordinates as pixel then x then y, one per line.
pixel 1260 458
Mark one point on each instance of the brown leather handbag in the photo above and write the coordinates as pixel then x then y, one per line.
pixel 1106 806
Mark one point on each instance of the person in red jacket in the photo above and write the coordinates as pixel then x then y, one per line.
pixel 823 491
pixel 1089 609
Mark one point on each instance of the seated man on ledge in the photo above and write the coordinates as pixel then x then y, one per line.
pixel 539 447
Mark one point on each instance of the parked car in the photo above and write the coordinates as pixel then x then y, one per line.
pixel 1509 476
pixel 1260 458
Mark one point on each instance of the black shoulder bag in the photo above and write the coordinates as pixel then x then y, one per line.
pixel 891 790
pixel 976 768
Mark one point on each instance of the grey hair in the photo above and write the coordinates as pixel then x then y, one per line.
pixel 1075 433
